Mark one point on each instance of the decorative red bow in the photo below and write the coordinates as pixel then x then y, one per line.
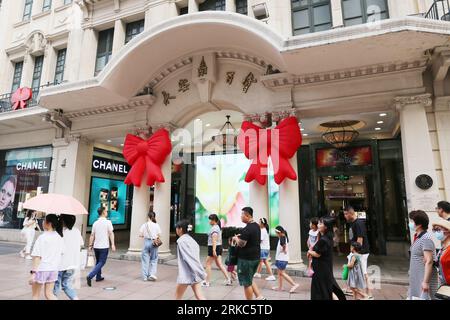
pixel 280 144
pixel 146 155
pixel 20 97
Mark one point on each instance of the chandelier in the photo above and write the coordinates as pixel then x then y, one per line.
pixel 340 133
pixel 227 138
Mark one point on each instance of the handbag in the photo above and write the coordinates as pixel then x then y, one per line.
pixel 443 292
pixel 90 261
pixel 344 272
pixel 156 242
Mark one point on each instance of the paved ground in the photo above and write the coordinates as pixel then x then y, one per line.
pixel 124 276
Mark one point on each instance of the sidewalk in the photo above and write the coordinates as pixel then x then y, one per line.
pixel 123 282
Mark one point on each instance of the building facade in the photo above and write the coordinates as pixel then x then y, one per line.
pixel 99 69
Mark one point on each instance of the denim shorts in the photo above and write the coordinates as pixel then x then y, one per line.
pixel 281 265
pixel 264 254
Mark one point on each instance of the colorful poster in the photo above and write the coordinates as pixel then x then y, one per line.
pixel 221 189
pixel 359 156
pixel 108 193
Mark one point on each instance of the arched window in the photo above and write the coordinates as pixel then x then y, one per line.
pixel 310 16
pixel 214 5
pixel 363 11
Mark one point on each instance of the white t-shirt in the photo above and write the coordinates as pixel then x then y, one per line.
pixel 154 230
pixel 72 244
pixel 265 239
pixel 50 247
pixel 280 255
pixel 101 229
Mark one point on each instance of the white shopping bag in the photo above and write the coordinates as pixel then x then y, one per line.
pixel 83 259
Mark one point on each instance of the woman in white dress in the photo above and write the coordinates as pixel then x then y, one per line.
pixel 28 231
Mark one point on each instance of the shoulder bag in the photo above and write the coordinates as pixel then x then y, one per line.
pixel 156 242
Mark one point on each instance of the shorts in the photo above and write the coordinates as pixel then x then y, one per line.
pixel 246 269
pixel 218 251
pixel 281 265
pixel 230 268
pixel 264 254
pixel 364 258
pixel 43 277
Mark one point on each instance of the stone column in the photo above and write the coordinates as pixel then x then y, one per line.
pixel 418 156
pixel 230 5
pixel 192 6
pixel 119 36
pixel 337 13
pixel 48 68
pixel 259 200
pixel 88 54
pixel 27 71
pixel 160 12
pixel 442 119
pixel 141 201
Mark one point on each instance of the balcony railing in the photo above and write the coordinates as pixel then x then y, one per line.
pixel 440 10
pixel 5 99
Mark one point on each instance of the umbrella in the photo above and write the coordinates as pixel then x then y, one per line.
pixel 55 203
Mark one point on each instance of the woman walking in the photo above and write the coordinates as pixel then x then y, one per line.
pixel 151 232
pixel 47 254
pixel 29 231
pixel 423 277
pixel 441 230
pixel 190 269
pixel 215 251
pixel 265 250
pixel 323 284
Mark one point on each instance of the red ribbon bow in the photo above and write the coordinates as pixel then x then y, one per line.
pixel 280 144
pixel 146 156
pixel 20 97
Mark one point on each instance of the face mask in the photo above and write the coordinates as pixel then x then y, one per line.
pixel 412 226
pixel 439 235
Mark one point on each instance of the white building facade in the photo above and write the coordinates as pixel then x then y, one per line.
pixel 99 69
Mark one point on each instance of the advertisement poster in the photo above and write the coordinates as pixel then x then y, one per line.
pixel 359 156
pixel 111 194
pixel 221 189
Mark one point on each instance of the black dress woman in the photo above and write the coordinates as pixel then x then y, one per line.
pixel 323 285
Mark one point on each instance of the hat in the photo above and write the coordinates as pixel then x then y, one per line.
pixel 442 223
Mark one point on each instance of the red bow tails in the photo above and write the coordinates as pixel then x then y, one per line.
pixel 20 97
pixel 280 144
pixel 146 156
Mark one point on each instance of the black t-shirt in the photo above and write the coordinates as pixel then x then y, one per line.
pixel 252 250
pixel 358 230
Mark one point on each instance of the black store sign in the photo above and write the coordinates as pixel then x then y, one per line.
pixel 109 166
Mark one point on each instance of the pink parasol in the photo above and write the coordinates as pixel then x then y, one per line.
pixel 55 203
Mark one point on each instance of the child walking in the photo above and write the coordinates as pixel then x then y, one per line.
pixel 231 259
pixel 356 280
pixel 265 250
pixel 313 236
pixel 282 259
pixel 47 254
pixel 190 269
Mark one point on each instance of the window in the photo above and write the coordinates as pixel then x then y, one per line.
pixel 17 77
pixel 27 10
pixel 104 49
pixel 310 16
pixel 212 5
pixel 67 2
pixel 184 10
pixel 46 5
pixel 60 64
pixel 133 29
pixel 37 73
pixel 363 11
pixel 241 6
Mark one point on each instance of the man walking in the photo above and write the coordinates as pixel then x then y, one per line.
pixel 443 210
pixel 248 254
pixel 358 233
pixel 101 234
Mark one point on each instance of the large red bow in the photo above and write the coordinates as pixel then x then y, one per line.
pixel 146 155
pixel 20 97
pixel 280 144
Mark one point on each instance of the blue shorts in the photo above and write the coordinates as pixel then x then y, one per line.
pixel 281 265
pixel 264 254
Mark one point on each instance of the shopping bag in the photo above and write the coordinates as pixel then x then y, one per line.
pixel 90 261
pixel 344 272
pixel 443 292
pixel 83 259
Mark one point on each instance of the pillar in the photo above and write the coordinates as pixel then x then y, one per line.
pixel 289 213
pixel 230 5
pixel 27 71
pixel 119 36
pixel 88 54
pixel 417 151
pixel 48 68
pixel 259 200
pixel 336 13
pixel 192 6
pixel 141 202
pixel 160 12
pixel 442 119
pixel 161 205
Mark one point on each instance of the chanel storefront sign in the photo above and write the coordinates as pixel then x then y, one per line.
pixel 109 166
pixel 27 165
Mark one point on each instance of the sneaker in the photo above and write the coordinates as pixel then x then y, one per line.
pixel 152 278
pixel 205 284
pixel 228 282
pixel 28 258
pixel 295 287
pixel 22 254
pixel 271 278
pixel 277 289
pixel 89 281
pixel 100 279
pixel 348 293
pixel 261 298
pixel 145 279
pixel 257 275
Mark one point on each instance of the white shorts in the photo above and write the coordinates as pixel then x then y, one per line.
pixel 364 258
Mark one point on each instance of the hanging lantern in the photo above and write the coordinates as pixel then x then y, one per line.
pixel 340 133
pixel 227 139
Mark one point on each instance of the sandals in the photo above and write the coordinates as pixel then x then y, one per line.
pixel 295 287
pixel 277 289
